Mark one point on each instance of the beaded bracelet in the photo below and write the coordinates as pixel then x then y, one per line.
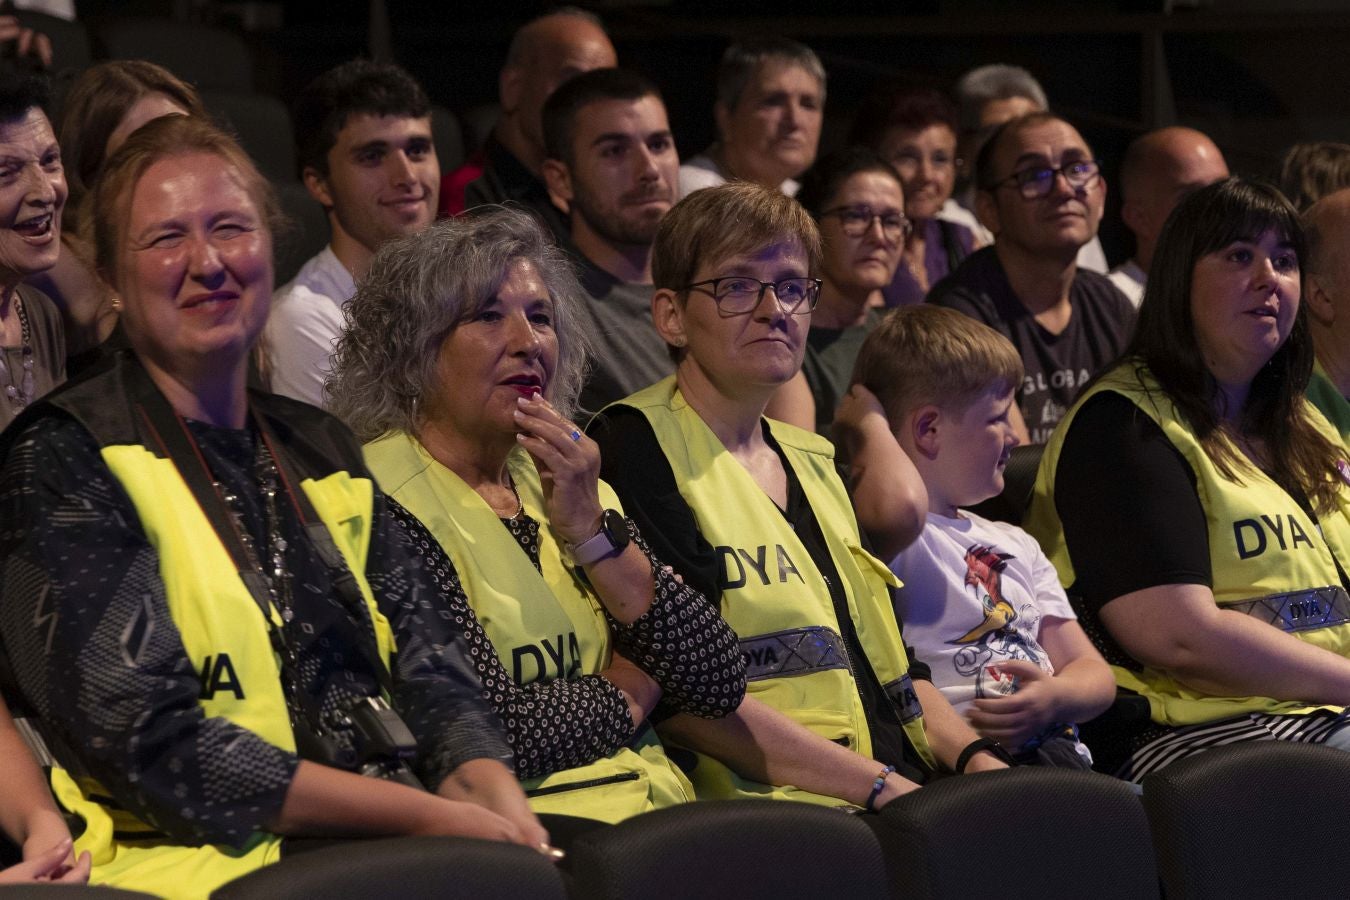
pixel 876 788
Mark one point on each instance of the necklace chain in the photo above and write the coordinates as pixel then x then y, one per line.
pixel 276 576
pixel 20 394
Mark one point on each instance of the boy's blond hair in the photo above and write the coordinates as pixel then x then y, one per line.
pixel 928 354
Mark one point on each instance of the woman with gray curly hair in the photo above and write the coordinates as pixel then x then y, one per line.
pixel 460 365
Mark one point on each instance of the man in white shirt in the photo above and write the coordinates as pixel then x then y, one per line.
pixel 363 132
pixel 1160 168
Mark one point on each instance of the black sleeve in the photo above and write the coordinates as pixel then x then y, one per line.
pixel 1128 503
pixel 632 461
pixel 961 300
pixel 685 645
pixel 96 652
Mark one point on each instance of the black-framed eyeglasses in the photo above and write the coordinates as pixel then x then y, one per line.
pixel 737 295
pixel 855 220
pixel 1038 181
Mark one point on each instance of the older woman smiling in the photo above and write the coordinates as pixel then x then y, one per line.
pixel 225 555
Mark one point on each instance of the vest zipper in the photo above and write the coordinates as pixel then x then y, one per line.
pixel 581 785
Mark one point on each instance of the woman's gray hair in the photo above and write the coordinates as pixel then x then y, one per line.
pixel 419 289
pixel 742 60
pixel 995 82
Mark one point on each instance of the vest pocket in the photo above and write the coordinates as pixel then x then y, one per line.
pixel 608 790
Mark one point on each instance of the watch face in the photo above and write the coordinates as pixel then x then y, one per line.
pixel 615 526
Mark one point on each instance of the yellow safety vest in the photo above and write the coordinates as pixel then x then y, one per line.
pixel 542 626
pixel 1267 556
pixel 775 598
pixel 218 620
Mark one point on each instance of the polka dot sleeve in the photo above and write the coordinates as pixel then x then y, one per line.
pixel 551 725
pixel 685 645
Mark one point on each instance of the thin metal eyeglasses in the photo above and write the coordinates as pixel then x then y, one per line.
pixel 855 220
pixel 738 295
pixel 1037 182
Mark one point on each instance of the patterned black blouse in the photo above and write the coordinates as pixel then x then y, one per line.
pixel 682 642
pixel 95 650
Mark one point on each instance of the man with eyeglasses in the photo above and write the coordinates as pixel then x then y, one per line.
pixel 987 97
pixel 1041 194
pixel 611 160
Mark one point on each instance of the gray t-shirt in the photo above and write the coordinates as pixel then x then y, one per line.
pixel 628 354
pixel 49 354
pixel 828 366
pixel 1057 365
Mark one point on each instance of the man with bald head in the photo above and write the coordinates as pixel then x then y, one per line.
pixel 1326 294
pixel 1160 168
pixel 544 53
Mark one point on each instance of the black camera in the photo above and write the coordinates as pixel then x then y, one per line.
pixel 381 744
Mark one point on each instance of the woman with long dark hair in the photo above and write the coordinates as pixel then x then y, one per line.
pixel 1197 505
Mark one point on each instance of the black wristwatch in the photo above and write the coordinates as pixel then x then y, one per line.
pixel 610 540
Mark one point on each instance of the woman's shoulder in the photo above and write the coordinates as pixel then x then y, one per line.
pixel 628 444
pixel 322 441
pixel 787 435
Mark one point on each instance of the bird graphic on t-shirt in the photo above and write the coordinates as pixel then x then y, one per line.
pixel 984 567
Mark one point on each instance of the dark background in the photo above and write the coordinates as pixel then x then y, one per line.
pixel 1255 76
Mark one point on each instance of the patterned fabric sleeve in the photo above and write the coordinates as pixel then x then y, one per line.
pixel 685 645
pixel 436 690
pixel 551 726
pixel 95 650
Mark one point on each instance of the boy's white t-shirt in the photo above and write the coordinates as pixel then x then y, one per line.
pixel 974 596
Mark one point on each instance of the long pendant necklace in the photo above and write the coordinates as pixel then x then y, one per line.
pixel 19 394
pixel 277 576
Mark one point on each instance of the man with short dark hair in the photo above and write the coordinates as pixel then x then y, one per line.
pixel 1041 194
pixel 987 97
pixel 544 53
pixel 1160 168
pixel 612 161
pixel 363 132
pixel 1326 294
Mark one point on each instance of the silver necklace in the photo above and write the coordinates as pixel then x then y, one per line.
pixel 20 394
pixel 520 505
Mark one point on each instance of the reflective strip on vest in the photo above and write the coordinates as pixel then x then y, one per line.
pixel 1299 610
pixel 1265 551
pixel 794 651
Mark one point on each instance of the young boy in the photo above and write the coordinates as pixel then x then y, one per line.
pixel 933 390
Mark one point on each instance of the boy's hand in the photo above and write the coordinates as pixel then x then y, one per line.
pixel 859 409
pixel 1014 719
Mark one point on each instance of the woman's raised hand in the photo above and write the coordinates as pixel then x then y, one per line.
pixel 569 468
